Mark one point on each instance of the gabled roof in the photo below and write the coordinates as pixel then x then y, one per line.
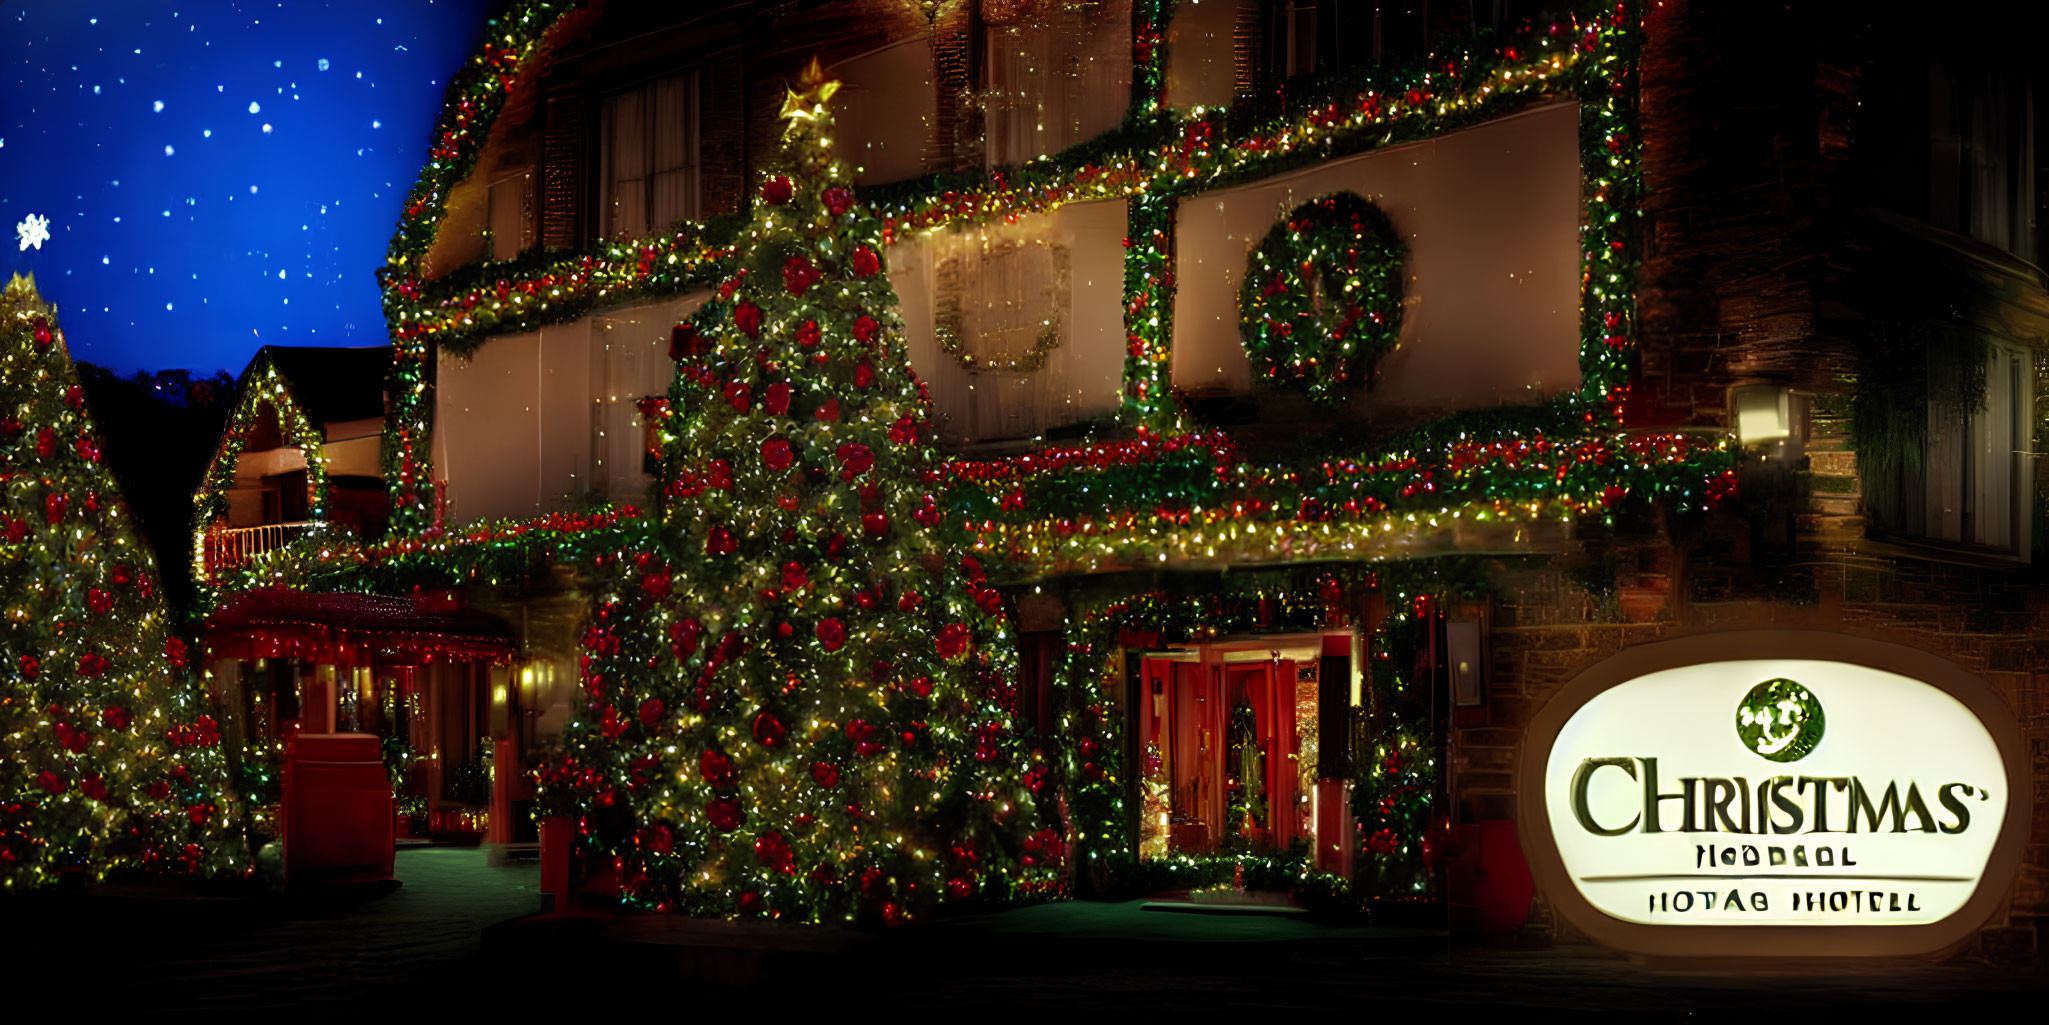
pixel 330 383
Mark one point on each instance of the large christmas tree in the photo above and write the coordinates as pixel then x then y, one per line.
pixel 109 758
pixel 800 700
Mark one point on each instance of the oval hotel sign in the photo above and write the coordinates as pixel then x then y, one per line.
pixel 1775 793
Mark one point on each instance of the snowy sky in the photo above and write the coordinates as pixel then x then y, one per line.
pixel 217 175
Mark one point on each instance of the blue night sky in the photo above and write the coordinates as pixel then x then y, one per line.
pixel 217 175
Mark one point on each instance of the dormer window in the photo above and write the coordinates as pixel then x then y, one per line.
pixel 649 176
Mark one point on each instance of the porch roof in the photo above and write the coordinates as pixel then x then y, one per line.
pixel 354 629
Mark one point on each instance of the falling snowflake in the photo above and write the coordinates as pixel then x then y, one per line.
pixel 34 231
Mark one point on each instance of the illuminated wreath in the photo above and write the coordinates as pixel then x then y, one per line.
pixel 1322 298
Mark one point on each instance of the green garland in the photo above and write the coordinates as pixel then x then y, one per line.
pixel 262 386
pixel 1322 296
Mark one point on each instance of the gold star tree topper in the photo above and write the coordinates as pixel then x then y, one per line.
pixel 813 90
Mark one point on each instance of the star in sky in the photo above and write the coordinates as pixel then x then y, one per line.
pixel 217 175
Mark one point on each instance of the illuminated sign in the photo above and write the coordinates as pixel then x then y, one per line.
pixel 1778 792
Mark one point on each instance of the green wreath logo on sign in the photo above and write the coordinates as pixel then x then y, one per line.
pixel 1322 297
pixel 1780 720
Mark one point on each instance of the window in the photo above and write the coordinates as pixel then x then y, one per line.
pixel 649 154
pixel 507 217
pixel 1046 71
pixel 1980 480
pixel 1982 157
pixel 1296 31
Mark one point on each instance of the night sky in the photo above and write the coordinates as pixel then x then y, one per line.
pixel 217 176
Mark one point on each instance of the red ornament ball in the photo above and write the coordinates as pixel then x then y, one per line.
pixel 769 731
pixel 716 768
pixel 724 814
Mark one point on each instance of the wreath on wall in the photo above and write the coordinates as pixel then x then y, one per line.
pixel 1322 297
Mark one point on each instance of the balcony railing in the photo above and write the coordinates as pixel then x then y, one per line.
pixel 230 547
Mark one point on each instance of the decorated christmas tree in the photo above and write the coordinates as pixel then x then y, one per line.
pixel 801 700
pixel 109 759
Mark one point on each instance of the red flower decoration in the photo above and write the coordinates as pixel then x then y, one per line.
pixel 716 768
pixel 865 328
pixel 799 275
pixel 837 199
pixel 724 813
pixel 53 508
pixel 953 641
pixel 657 585
pixel 777 190
pixel 98 602
pixel 865 737
pixel 685 342
pixel 720 474
pixel 747 317
pixel 651 713
pixel 115 717
pixel 31 667
pixel 807 334
pixel 829 412
pixel 855 460
pixel 46 442
pixel 683 636
pixel 93 787
pixel 91 665
pixel 774 851
pixel 825 774
pixel 832 634
pixel 864 377
pixel 921 686
pixel 864 262
pixel 794 576
pixel 875 524
pixel 721 541
pixel 176 653
pixel 777 401
pixel 777 455
pixel 739 396
pixel 49 781
pixel 769 731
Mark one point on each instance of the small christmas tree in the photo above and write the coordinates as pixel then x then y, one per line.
pixel 109 760
pixel 801 702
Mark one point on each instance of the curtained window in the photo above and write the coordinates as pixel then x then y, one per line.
pixel 649 154
pixel 1052 76
pixel 1980 485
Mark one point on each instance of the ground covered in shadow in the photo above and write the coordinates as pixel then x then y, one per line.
pixel 462 934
